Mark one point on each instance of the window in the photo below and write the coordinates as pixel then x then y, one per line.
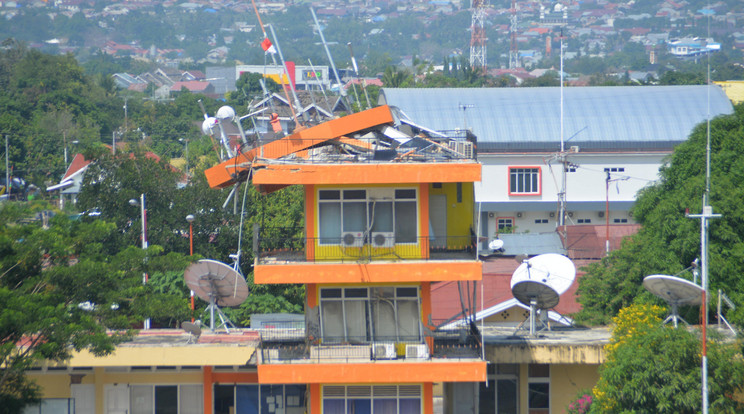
pixel 375 399
pixel 615 169
pixel 51 406
pixel 584 221
pixel 259 399
pixel 501 396
pixel 538 389
pixel 623 220
pixel 358 217
pixel 166 399
pixel 363 315
pixel 524 180
pixel 541 221
pixel 504 224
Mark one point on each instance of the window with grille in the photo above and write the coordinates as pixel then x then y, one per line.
pixel 524 181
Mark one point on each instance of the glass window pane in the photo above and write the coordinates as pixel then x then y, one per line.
pixel 329 195
pixel 486 398
pixel 191 397
pixel 384 321
pixel 330 293
pixel 355 292
pixel 538 395
pixel 356 321
pixel 381 216
pixel 408 320
pixel 332 321
pixel 410 406
pixel 385 406
pixel 140 399
pixel 539 371
pixel 359 406
pixel 408 292
pixel 166 399
pixel 506 392
pixel 355 215
pixel 330 223
pixel 272 396
pixel 55 406
pixel 224 399
pixel 294 397
pixel 247 399
pixel 355 194
pixel 408 193
pixel 331 406
pixel 405 222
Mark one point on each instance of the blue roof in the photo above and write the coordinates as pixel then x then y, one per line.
pixel 529 119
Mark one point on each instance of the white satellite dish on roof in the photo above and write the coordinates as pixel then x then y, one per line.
pixel 539 282
pixel 676 292
pixel 218 284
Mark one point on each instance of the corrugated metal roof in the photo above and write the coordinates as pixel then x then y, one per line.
pixel 529 119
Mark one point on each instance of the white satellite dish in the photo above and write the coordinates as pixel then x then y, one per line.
pixel 226 112
pixel 496 244
pixel 218 284
pixel 539 282
pixel 676 292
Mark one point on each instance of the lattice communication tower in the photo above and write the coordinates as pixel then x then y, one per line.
pixel 513 48
pixel 478 36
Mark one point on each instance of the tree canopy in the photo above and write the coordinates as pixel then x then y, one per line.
pixel 654 368
pixel 668 241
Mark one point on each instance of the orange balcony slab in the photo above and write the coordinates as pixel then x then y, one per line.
pixel 366 173
pixel 373 373
pixel 389 272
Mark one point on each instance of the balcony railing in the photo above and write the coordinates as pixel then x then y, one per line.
pixel 288 245
pixel 291 346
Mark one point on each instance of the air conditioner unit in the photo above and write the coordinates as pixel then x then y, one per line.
pixel 383 351
pixel 462 147
pixel 417 351
pixel 352 239
pixel 383 239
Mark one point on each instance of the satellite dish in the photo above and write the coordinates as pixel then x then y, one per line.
pixel 208 124
pixel 218 284
pixel 539 282
pixel 496 244
pixel 193 329
pixel 226 112
pixel 676 292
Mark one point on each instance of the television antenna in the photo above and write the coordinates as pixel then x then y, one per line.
pixel 676 292
pixel 538 283
pixel 218 284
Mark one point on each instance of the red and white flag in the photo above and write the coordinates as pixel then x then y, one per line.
pixel 267 46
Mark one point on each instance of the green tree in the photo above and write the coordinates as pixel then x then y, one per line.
pixel 396 78
pixel 654 368
pixel 668 241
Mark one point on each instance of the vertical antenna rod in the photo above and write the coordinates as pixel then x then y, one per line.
pixel 341 90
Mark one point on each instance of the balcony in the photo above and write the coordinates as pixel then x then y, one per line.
pixel 291 346
pixel 289 245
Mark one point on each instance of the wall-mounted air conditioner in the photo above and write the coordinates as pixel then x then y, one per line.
pixel 383 351
pixel 383 239
pixel 463 147
pixel 417 351
pixel 352 239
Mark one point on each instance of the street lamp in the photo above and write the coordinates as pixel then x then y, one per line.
pixel 190 219
pixel 143 212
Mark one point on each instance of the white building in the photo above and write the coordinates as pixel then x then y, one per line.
pixel 624 131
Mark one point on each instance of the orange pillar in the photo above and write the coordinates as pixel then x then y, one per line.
pixel 208 386
pixel 315 399
pixel 428 398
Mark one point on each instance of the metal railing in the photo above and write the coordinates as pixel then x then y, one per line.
pixel 440 149
pixel 281 246
pixel 291 346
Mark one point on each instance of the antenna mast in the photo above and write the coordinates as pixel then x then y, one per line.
pixel 513 48
pixel 478 35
